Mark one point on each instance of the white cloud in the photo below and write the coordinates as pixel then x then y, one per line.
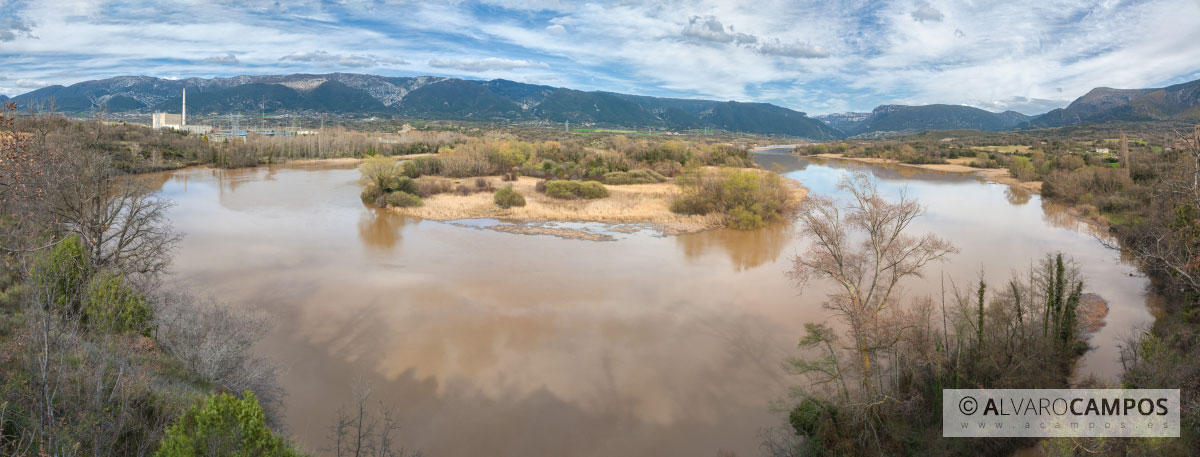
pixel 794 50
pixel 708 28
pixel 13 27
pixel 227 59
pixel 485 64
pixel 30 84
pixel 926 12
pixel 810 55
pixel 326 59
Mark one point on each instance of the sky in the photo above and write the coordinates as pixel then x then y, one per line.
pixel 816 57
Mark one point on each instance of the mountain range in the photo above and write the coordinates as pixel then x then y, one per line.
pixel 902 119
pixel 425 97
pixel 432 97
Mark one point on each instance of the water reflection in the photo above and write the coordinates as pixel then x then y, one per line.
pixel 746 248
pixel 1017 195
pixel 380 228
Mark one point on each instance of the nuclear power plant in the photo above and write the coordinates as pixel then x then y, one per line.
pixel 178 121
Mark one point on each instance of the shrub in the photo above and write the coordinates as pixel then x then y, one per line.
pixel 749 199
pixel 484 185
pixel 401 184
pixel 540 186
pixel 506 198
pixel 371 194
pixel 1022 169
pixel 433 185
pixel 465 166
pixel 403 199
pixel 667 168
pixel 215 344
pixel 742 218
pixel 62 274
pixel 224 425
pixel 113 306
pixel 575 189
pixel 692 204
pixel 422 166
pixel 633 177
pixel 410 169
pixel 378 170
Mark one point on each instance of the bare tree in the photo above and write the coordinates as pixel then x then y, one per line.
pixel 862 246
pixel 122 224
pixel 215 342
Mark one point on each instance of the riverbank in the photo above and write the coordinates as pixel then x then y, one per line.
pixel 634 203
pixel 960 165
pixel 1085 213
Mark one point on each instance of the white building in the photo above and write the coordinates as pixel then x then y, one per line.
pixel 177 121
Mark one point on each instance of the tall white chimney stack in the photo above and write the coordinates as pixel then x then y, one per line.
pixel 183 113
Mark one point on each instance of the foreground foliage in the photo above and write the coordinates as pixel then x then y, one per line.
pixel 224 425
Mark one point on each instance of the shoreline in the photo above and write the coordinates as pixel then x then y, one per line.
pixel 995 175
pixel 627 204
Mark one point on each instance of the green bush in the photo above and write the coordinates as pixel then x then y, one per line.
pixel 62 273
pixel 575 189
pixel 693 204
pixel 422 166
pixel 402 184
pixel 371 193
pixel 617 178
pixel 224 425
pixel 1022 169
pixel 403 199
pixel 749 199
pixel 506 198
pixel 113 306
pixel 742 218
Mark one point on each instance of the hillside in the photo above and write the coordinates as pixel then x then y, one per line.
pixel 425 97
pixel 1103 104
pixel 908 119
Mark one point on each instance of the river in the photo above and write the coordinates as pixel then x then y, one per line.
pixel 491 343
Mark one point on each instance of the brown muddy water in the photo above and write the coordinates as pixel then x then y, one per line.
pixel 492 343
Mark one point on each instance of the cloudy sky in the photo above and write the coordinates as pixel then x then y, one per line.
pixel 818 57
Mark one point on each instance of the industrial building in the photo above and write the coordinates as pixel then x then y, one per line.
pixel 178 121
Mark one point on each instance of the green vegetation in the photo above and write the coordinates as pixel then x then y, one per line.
pixel 112 305
pixel 571 190
pixel 507 198
pixel 385 184
pixel 749 199
pixel 98 358
pixel 224 425
pixel 617 178
pixel 402 199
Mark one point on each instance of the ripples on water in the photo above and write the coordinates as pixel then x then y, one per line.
pixel 504 344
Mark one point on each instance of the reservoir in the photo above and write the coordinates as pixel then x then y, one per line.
pixel 492 343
